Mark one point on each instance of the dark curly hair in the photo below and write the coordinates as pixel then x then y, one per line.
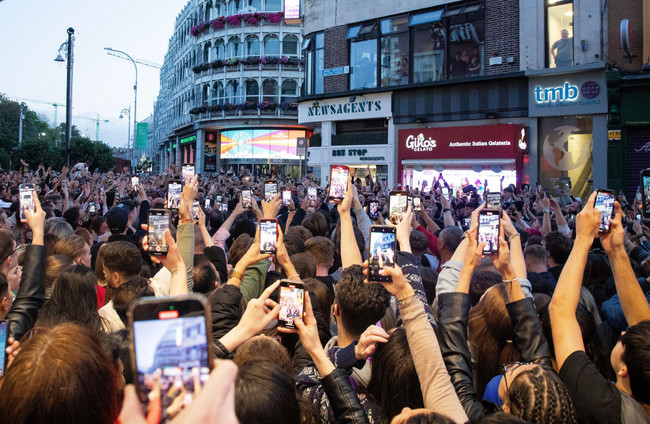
pixel 636 356
pixel 360 304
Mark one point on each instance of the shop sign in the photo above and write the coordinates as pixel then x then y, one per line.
pixel 189 139
pixel 568 94
pixel 339 70
pixel 291 9
pixel 614 135
pixel 490 141
pixel 365 106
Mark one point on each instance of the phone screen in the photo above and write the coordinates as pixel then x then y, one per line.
pixel 219 198
pixel 187 171
pixel 397 207
pixel 339 182
pixel 493 200
pixel 158 224
pixel 270 191
pixel 173 195
pixel 286 197
pixel 207 203
pixel 488 231
pixel 26 200
pixel 195 209
pixel 268 235
pixel 312 193
pixel 292 301
pixel 3 346
pixel 381 252
pixel 373 209
pixel 605 204
pixel 135 181
pixel 170 347
pixel 645 187
pixel 224 207
pixel 246 199
pixel 92 208
pixel 417 204
pixel 445 192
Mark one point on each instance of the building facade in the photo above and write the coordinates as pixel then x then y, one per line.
pixel 228 88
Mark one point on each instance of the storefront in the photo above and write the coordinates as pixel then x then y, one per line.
pixel 356 131
pixel 570 127
pixel 464 155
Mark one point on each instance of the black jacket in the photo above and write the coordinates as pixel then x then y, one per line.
pixel 217 256
pixel 343 399
pixel 225 303
pixel 31 294
pixel 453 310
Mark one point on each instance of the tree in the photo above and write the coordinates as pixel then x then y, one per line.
pixel 97 153
pixel 39 150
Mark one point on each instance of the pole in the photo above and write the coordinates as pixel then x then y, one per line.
pixel 129 129
pixel 20 126
pixel 68 97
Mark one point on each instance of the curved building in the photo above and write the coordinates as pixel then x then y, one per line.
pixel 229 82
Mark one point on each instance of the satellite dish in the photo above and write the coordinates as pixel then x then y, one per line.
pixel 626 38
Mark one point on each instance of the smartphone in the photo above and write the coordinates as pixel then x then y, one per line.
pixel 187 171
pixel 195 210
pixel 605 204
pixel 4 335
pixel 488 231
pixel 417 204
pixel 268 235
pixel 467 222
pixel 397 206
pixel 173 195
pixel 312 192
pixel 92 209
pixel 373 210
pixel 493 200
pixel 445 192
pixel 270 190
pixel 219 198
pixel 381 252
pixel 159 222
pixel 135 181
pixel 170 346
pixel 286 197
pixel 292 302
pixel 638 217
pixel 339 175
pixel 246 199
pixel 224 207
pixel 207 203
pixel 26 200
pixel 645 192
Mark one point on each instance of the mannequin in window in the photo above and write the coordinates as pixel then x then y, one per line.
pixel 562 50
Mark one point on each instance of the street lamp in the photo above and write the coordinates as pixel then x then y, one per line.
pixel 125 110
pixel 67 48
pixel 135 104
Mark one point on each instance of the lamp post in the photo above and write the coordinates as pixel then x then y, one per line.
pixel 67 48
pixel 127 110
pixel 135 102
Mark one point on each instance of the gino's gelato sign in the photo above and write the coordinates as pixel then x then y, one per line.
pixel 419 143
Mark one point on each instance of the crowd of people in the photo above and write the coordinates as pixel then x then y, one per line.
pixel 554 328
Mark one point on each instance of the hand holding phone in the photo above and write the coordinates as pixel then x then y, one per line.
pixel 173 195
pixel 292 302
pixel 246 201
pixel 339 175
pixel 159 222
pixel 26 194
pixel 270 190
pixel 381 252
pixel 268 235
pixel 397 206
pixel 605 204
pixel 488 231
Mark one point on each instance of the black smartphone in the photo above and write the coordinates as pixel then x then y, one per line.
pixel 417 204
pixel 339 175
pixel 605 204
pixel 195 210
pixel 493 200
pixel 286 197
pixel 26 193
pixel 645 192
pixel 381 252
pixel 4 335
pixel 467 222
pixel 312 192
pixel 174 195
pixel 159 222
pixel 397 206
pixel 92 208
pixel 270 190
pixel 488 231
pixel 246 199
pixel 268 235
pixel 170 347
pixel 373 209
pixel 188 170
pixel 292 302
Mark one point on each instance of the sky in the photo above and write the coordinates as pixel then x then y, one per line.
pixel 32 32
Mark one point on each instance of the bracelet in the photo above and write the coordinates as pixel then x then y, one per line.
pixel 511 281
pixel 406 299
pixel 446 210
pixel 237 275
pixel 514 236
pixel 294 275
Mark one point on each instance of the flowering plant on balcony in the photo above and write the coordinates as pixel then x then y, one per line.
pixel 252 60
pixel 283 60
pixel 271 60
pixel 253 18
pixel 266 105
pixel 218 23
pixel 274 18
pixel 198 110
pixel 199 29
pixel 233 61
pixel 199 68
pixel 234 20
pixel 288 106
pixel 216 64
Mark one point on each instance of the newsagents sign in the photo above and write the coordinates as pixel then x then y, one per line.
pixel 568 94
pixel 365 106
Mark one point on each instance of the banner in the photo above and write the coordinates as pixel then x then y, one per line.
pixel 141 131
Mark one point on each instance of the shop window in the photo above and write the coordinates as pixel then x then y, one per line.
pixel 218 94
pixel 252 45
pixel 271 45
pixel 559 33
pixel 565 146
pixel 219 50
pixel 290 45
pixel 314 52
pixel 272 5
pixel 252 91
pixel 289 91
pixel 234 47
pixel 270 91
pixel 232 92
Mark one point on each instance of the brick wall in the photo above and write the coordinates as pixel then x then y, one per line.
pixel 336 54
pixel 502 35
pixel 618 10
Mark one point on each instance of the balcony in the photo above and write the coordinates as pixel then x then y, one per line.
pixel 247 109
pixel 251 63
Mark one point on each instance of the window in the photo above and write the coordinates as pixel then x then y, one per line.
pixel 208 9
pixel 559 33
pixel 466 47
pixel 233 47
pixel 395 66
pixel 270 91
pixel 273 5
pixel 315 60
pixel 363 64
pixel 289 91
pixel 252 91
pixel 290 45
pixel 204 97
pixel 218 94
pixel 206 52
pixel 232 92
pixel 271 45
pixel 251 6
pixel 219 50
pixel 252 45
pixel 233 7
